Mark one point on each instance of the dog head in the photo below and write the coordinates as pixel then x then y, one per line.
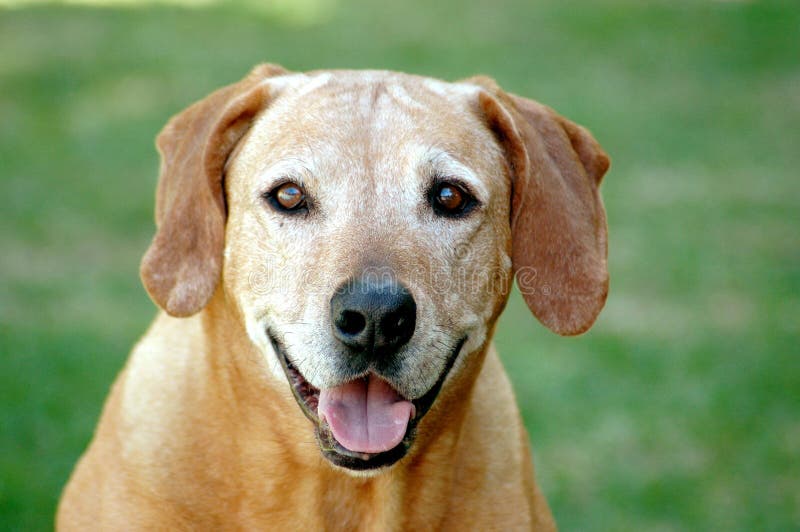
pixel 367 226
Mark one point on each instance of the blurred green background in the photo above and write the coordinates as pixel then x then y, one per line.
pixel 680 410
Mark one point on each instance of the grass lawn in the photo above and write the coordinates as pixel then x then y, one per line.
pixel 680 410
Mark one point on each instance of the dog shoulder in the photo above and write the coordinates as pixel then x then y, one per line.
pixel 134 450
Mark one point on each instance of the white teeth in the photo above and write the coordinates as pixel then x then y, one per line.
pixel 413 411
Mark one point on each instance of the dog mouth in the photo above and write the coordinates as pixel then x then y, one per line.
pixel 363 424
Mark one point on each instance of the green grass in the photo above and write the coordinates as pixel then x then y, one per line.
pixel 680 410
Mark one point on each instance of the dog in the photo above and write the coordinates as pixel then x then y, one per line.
pixel 332 252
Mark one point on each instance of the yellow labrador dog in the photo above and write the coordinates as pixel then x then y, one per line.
pixel 333 251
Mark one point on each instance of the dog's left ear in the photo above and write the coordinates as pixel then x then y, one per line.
pixel 182 267
pixel 558 223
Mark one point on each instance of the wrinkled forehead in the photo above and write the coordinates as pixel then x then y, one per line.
pixel 372 119
pixel 384 100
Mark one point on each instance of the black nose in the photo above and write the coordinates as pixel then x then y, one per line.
pixel 376 316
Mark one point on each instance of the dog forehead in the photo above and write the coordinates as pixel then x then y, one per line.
pixel 366 107
pixel 406 89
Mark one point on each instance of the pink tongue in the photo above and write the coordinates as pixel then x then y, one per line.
pixel 365 415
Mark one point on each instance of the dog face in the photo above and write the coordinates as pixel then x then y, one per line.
pixel 400 223
pixel 367 230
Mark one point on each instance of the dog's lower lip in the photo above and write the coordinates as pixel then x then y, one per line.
pixel 307 397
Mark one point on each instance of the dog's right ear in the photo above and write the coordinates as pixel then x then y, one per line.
pixel 182 267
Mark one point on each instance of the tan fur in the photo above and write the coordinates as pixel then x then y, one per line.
pixel 201 430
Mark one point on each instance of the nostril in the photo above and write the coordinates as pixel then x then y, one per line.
pixel 395 325
pixel 351 323
pixel 398 327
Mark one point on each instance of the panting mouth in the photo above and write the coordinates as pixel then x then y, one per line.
pixel 363 424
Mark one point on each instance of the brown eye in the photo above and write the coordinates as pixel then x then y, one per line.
pixel 451 200
pixel 288 197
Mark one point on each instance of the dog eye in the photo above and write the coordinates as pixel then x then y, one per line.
pixel 287 197
pixel 450 199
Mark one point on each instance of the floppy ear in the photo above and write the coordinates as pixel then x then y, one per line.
pixel 558 223
pixel 182 267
